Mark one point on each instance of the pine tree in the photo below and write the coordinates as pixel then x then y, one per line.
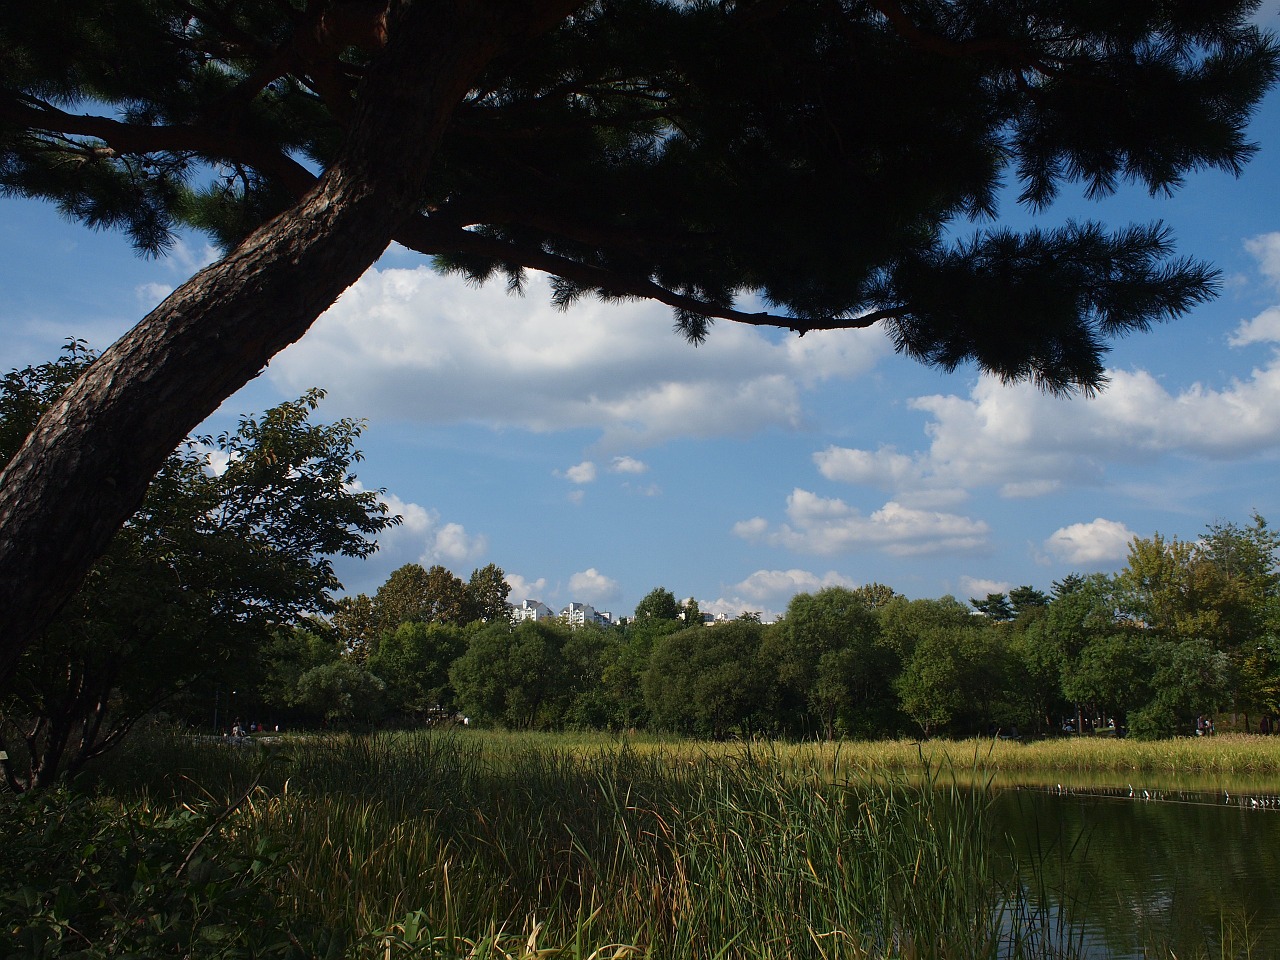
pixel 837 161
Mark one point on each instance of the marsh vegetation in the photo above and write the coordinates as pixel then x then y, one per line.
pixel 467 844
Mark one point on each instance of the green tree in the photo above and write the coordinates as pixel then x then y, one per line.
pixel 486 595
pixel 829 657
pixel 956 679
pixel 414 662
pixel 355 621
pixel 195 581
pixel 343 692
pixel 414 594
pixel 994 605
pixel 689 153
pixel 1024 599
pixel 515 676
pixel 706 680
pixel 658 604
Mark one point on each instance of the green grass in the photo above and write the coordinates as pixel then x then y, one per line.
pixel 473 844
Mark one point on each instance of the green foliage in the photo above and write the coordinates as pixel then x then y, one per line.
pixel 658 604
pixel 661 130
pixel 414 662
pixel 342 692
pixel 827 655
pixel 706 680
pixel 515 676
pixel 86 878
pixel 196 580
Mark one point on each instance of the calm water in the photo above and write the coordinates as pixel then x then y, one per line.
pixel 1179 869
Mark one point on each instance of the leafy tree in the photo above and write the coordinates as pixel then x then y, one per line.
pixel 688 153
pixel 1024 599
pixel 829 656
pixel 343 692
pixel 193 584
pixel 589 653
pixel 1111 676
pixel 413 594
pixel 414 661
pixel 875 595
pixel 486 596
pixel 956 678
pixel 283 658
pixel 355 621
pixel 706 680
pixel 658 604
pixel 1037 662
pixel 515 676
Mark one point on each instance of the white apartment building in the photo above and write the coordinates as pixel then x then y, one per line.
pixel 532 610
pixel 579 614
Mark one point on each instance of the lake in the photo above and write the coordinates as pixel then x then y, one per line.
pixel 1179 867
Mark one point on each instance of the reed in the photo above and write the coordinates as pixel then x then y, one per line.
pixel 477 844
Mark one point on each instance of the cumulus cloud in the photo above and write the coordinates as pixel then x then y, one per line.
pixel 592 586
pixel 1023 443
pixel 979 587
pixel 1100 541
pixel 584 472
pixel 523 589
pixel 767 592
pixel 424 538
pixel 411 344
pixel 779 586
pixel 627 465
pixel 150 294
pixel 1265 248
pixel 825 525
pixel 453 544
pixel 1264 328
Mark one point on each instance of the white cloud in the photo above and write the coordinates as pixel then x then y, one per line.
pixel 454 545
pixel 1097 542
pixel 884 468
pixel 978 587
pixel 584 472
pixel 779 586
pixel 1024 443
pixel 1265 248
pixel 423 538
pixel 830 526
pixel 150 294
pixel 1264 328
pixel 752 529
pixel 627 465
pixel 410 344
pixel 523 589
pixel 592 586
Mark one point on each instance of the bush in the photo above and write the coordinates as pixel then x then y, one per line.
pixel 90 878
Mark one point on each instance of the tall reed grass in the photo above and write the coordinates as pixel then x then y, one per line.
pixel 474 844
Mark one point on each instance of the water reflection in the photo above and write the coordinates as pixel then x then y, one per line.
pixel 1175 870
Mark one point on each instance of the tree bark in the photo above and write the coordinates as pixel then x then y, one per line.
pixel 85 468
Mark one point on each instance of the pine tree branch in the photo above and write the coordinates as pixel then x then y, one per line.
pixel 425 237
pixel 143 139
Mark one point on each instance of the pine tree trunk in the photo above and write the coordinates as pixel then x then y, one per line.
pixel 85 467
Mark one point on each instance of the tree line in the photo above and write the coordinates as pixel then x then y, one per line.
pixel 1186 629
pixel 218 602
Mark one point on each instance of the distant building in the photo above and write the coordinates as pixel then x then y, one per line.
pixel 580 614
pixel 532 610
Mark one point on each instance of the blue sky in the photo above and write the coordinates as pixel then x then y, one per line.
pixel 593 455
